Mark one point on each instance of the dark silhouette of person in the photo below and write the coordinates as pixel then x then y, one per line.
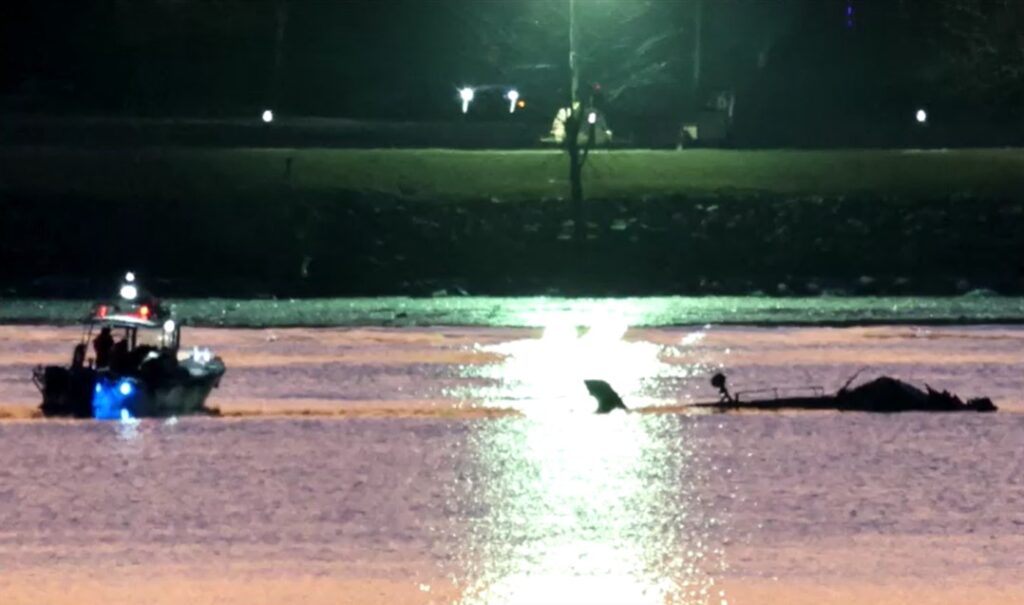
pixel 718 381
pixel 119 355
pixel 103 344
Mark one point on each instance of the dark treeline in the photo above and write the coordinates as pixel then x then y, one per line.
pixel 794 65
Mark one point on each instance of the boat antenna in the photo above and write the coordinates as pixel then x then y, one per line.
pixel 851 379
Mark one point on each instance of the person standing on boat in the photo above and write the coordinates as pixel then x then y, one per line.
pixel 119 355
pixel 103 344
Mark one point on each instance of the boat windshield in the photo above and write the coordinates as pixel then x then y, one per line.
pixel 139 334
pixel 154 338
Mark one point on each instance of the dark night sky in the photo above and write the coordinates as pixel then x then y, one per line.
pixel 403 58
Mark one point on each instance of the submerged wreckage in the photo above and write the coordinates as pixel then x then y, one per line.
pixel 881 395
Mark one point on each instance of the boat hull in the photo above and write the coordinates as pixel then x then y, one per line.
pixel 86 393
pixel 882 395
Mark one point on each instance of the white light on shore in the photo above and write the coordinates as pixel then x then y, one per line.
pixel 513 97
pixel 592 117
pixel 268 116
pixel 921 116
pixel 466 94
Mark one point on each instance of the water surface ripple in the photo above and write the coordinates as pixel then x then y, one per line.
pixel 619 509
pixel 412 491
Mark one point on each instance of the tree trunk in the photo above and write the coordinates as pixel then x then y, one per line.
pixel 572 141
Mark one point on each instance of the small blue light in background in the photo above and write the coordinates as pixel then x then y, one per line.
pixel 125 388
pixel 99 389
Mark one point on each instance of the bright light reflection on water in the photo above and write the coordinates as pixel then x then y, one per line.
pixel 546 374
pixel 593 509
pixel 582 508
pixel 127 428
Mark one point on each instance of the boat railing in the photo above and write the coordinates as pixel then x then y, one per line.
pixel 815 391
pixel 39 378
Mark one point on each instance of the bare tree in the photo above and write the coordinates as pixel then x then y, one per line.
pixel 982 46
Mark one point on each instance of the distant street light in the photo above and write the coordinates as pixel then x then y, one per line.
pixel 512 96
pixel 466 94
pixel 268 116
pixel 921 116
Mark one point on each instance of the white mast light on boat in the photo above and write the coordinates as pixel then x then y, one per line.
pixel 129 292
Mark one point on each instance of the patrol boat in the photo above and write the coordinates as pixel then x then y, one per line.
pixel 137 369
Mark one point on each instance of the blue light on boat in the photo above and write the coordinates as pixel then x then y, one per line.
pixel 111 400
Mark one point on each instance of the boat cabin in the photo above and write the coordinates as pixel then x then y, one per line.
pixel 122 336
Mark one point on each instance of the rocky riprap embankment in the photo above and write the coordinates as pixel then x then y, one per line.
pixel 372 244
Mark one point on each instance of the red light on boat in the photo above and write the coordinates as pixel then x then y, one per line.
pixel 144 311
pixel 101 311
